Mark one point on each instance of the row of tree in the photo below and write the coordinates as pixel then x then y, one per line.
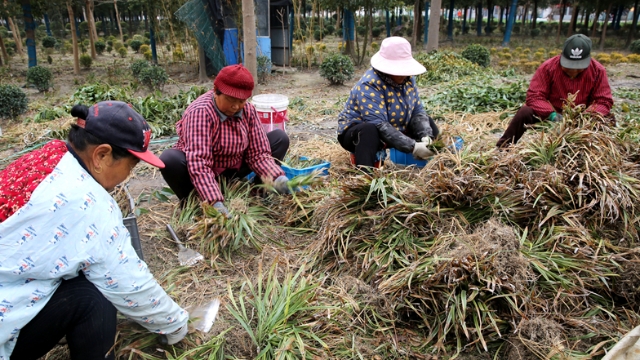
pixel 112 13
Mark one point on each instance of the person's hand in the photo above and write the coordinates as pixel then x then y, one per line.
pixel 175 337
pixel 281 185
pixel 222 209
pixel 427 140
pixel 420 151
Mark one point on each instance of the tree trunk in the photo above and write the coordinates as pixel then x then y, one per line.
pixel 5 56
pixel 249 37
pixel 16 35
pixel 130 23
pixel 416 21
pixel 92 28
pixel 501 15
pixel 535 14
pixel 595 20
pixel 115 6
pixel 586 18
pixel 479 18
pixel 450 22
pixel 574 19
pixel 464 19
pixel 604 27
pixel 634 24
pixel 202 74
pixel 524 14
pixel 563 5
pixel 348 34
pixel 74 38
pixel 434 26
pixel 488 30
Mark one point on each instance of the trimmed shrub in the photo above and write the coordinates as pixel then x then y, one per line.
pixel 535 32
pixel 153 77
pixel 86 61
pixel 100 46
pixel 148 55
pixel 635 47
pixel 13 101
pixel 137 67
pixel 122 52
pixel 48 42
pixel 337 69
pixel 144 48
pixel 330 29
pixel 135 45
pixel 477 54
pixel 49 59
pixel 40 77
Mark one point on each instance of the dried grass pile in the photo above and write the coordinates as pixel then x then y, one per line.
pixel 475 245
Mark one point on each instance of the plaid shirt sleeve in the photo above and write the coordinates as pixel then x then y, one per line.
pixel 258 154
pixel 601 99
pixel 197 126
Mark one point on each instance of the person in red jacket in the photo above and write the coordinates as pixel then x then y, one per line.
pixel 572 72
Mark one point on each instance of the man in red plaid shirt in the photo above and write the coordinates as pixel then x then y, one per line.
pixel 221 135
pixel 572 72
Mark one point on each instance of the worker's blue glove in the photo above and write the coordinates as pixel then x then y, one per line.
pixel 222 209
pixel 281 185
pixel 555 117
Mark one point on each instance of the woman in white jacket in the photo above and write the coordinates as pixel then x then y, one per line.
pixel 66 260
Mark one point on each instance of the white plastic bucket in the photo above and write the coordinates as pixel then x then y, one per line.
pixel 272 111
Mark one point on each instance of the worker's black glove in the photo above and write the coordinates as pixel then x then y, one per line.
pixel 420 126
pixel 394 138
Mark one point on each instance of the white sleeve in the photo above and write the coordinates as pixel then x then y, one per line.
pixel 125 280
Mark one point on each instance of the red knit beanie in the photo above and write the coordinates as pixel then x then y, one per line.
pixel 235 81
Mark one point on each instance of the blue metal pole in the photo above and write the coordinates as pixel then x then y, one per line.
pixel 399 17
pixel 426 21
pixel 30 27
pixel 388 25
pixel 510 21
pixel 47 24
pixel 348 27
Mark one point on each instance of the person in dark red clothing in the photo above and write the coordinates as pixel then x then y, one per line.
pixel 572 72
pixel 221 135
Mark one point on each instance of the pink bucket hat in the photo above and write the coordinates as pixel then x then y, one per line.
pixel 394 58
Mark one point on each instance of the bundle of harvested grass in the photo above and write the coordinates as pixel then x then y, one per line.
pixel 569 194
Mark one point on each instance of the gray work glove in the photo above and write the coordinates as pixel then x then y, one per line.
pixel 175 337
pixel 420 151
pixel 281 184
pixel 558 118
pixel 427 140
pixel 222 209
